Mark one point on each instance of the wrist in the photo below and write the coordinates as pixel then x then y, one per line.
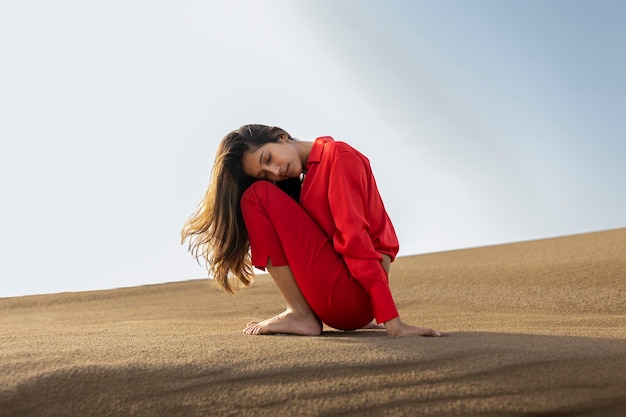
pixel 386 262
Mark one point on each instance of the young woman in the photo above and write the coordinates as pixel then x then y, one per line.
pixel 309 212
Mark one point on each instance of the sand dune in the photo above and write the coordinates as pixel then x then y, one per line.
pixel 537 328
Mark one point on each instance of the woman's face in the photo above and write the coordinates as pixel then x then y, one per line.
pixel 274 161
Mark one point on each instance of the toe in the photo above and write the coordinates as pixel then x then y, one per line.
pixel 249 328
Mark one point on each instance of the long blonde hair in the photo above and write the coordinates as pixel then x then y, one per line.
pixel 216 231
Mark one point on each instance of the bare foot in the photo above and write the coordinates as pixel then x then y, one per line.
pixel 395 327
pixel 374 325
pixel 288 322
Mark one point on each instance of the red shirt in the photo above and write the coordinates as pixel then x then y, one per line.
pixel 340 193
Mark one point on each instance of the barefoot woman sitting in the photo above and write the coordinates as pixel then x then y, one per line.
pixel 310 212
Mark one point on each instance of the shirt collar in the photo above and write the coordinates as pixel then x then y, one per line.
pixel 315 156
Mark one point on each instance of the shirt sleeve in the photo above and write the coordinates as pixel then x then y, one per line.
pixel 348 189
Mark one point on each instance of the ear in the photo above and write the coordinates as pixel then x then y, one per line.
pixel 284 138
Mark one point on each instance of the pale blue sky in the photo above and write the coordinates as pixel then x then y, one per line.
pixel 486 122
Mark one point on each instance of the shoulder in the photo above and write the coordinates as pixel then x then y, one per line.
pixel 344 160
pixel 348 154
pixel 339 149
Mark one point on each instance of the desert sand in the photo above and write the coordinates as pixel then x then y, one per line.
pixel 536 328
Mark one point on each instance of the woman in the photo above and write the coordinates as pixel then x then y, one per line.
pixel 311 213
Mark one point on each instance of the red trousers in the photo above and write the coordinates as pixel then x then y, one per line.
pixel 281 230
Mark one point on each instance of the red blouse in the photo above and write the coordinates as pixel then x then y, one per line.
pixel 340 193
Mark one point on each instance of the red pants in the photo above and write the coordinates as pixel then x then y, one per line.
pixel 281 230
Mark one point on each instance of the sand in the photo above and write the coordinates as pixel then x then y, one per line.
pixel 537 328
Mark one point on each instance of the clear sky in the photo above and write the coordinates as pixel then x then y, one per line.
pixel 486 122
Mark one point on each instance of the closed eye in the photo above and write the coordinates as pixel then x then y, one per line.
pixel 263 176
pixel 263 157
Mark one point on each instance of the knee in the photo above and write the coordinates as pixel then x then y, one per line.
pixel 257 192
pixel 261 186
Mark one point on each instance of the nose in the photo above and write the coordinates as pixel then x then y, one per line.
pixel 276 170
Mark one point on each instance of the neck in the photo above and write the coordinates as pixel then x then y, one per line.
pixel 304 149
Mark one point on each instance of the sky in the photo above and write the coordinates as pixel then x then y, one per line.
pixel 486 122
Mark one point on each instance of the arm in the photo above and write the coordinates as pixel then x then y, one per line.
pixel 350 199
pixel 348 191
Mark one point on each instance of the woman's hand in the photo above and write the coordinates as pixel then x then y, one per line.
pixel 386 263
pixel 395 328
